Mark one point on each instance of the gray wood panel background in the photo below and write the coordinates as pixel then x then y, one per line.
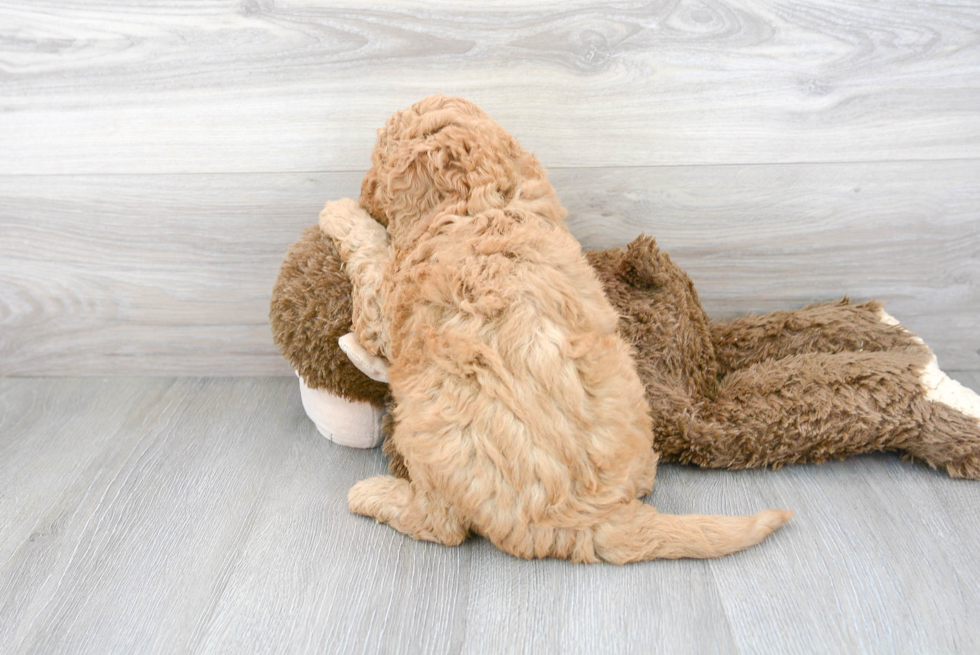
pixel 157 515
pixel 156 159
pixel 257 86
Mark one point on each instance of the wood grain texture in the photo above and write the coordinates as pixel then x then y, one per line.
pixel 41 457
pixel 764 238
pixel 261 86
pixel 171 275
pixel 152 526
pixel 208 516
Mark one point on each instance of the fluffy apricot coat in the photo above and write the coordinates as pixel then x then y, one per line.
pixel 518 410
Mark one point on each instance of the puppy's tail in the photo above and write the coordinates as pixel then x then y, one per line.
pixel 636 531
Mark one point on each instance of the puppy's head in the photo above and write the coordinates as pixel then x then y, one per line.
pixel 443 153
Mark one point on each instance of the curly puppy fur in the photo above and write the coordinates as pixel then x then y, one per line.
pixel 519 413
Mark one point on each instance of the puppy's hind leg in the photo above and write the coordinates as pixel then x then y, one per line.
pixel 396 502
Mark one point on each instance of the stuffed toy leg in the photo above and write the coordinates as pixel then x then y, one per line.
pixel 823 382
pixel 829 381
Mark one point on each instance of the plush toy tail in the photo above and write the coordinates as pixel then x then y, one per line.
pixel 638 532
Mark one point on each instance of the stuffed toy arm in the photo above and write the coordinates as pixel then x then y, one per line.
pixel 363 246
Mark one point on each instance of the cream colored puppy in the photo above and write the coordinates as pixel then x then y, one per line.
pixel 519 415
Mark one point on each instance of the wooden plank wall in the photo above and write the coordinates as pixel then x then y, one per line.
pixel 157 158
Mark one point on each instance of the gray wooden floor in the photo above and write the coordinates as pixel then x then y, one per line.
pixel 206 515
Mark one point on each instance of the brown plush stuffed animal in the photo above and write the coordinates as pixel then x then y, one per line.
pixel 818 383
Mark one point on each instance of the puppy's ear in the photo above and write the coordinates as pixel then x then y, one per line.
pixel 472 161
pixel 371 199
pixel 445 152
pixel 403 182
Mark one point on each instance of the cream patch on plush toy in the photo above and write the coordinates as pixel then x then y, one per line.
pixel 370 365
pixel 348 423
pixel 939 387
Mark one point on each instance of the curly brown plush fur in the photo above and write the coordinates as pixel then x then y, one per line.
pixel 682 357
pixel 823 382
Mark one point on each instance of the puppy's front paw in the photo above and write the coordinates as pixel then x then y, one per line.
pixel 339 217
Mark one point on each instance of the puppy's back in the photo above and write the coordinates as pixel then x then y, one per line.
pixel 518 395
